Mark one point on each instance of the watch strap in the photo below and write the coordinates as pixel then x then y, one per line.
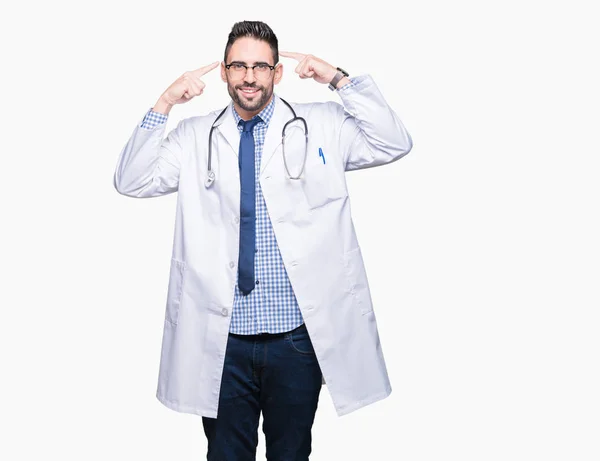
pixel 341 73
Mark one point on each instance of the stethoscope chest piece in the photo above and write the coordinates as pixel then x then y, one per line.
pixel 210 179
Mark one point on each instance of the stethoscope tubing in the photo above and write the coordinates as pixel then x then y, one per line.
pixel 211 174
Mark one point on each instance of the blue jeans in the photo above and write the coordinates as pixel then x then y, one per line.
pixel 278 374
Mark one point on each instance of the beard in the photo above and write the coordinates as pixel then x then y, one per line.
pixel 256 102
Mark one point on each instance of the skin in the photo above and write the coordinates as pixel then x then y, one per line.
pixel 251 51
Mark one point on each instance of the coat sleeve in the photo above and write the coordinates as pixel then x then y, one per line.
pixel 148 165
pixel 371 133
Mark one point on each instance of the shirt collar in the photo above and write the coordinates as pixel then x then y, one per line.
pixel 266 114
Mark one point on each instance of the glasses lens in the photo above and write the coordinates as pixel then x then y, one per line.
pixel 262 70
pixel 237 70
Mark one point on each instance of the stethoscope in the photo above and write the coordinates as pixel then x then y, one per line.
pixel 211 174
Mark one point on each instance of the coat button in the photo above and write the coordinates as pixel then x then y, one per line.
pixel 224 312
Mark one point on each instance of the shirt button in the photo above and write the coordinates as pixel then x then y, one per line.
pixel 257 282
pixel 224 312
pixel 231 264
pixel 237 219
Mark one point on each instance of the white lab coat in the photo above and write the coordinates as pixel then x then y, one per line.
pixel 314 230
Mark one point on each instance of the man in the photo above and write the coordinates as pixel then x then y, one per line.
pixel 268 297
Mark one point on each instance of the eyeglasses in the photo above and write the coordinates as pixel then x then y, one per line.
pixel 238 69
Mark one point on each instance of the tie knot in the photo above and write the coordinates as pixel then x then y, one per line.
pixel 248 125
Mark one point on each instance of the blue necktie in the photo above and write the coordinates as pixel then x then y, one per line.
pixel 247 207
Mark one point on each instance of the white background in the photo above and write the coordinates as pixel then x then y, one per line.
pixel 481 244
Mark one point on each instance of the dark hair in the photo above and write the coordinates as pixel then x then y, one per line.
pixel 256 29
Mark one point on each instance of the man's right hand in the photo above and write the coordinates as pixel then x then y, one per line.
pixel 184 89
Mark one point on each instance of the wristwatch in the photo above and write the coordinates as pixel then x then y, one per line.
pixel 341 73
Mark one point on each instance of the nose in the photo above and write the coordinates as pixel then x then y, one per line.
pixel 250 76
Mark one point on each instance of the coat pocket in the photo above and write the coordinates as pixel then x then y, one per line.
pixel 175 291
pixel 358 283
pixel 322 185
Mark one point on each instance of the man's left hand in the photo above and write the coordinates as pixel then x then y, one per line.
pixel 310 66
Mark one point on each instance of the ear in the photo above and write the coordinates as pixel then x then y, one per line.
pixel 223 72
pixel 278 73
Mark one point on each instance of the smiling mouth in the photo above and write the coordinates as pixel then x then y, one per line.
pixel 249 91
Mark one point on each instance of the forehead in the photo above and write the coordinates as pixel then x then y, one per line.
pixel 250 50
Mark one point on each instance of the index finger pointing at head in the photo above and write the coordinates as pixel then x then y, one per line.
pixel 203 70
pixel 289 54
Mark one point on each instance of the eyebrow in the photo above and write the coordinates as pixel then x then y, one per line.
pixel 257 62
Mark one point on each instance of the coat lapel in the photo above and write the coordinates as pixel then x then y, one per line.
pixel 228 128
pixel 273 136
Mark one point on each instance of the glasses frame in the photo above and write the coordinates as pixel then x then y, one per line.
pixel 272 68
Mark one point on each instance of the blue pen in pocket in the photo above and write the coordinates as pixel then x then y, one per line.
pixel 322 155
